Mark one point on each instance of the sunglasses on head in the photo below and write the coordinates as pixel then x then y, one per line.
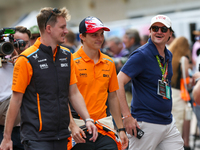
pixel 56 11
pixel 156 28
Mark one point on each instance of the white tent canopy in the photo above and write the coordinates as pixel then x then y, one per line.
pixel 28 21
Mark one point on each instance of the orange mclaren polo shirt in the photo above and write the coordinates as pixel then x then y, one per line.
pixel 23 72
pixel 95 81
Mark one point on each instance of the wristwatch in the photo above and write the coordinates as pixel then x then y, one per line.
pixel 121 129
pixel 89 119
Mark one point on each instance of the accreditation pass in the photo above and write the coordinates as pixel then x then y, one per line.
pixel 163 89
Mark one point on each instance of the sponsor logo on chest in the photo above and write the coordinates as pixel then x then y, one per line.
pixel 63 59
pixel 106 75
pixel 83 74
pixel 44 66
pixel 42 60
pixel 64 64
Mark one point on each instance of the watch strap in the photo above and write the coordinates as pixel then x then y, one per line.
pixel 89 119
pixel 121 129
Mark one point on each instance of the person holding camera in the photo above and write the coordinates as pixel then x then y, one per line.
pixel 22 38
pixel 21 34
pixel 21 41
pixel 150 70
pixel 44 81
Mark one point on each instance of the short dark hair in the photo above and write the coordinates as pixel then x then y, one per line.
pixel 23 29
pixel 133 33
pixel 173 35
pixel 70 36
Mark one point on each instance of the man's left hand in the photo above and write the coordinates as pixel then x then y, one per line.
pixel 92 129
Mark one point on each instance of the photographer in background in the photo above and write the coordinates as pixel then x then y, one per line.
pixel 22 40
pixel 22 33
pixel 6 72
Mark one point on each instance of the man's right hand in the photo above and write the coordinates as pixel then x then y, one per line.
pixel 6 144
pixel 130 125
pixel 78 134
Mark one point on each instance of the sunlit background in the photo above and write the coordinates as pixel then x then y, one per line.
pixel 116 14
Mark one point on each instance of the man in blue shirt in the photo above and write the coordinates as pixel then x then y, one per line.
pixel 150 70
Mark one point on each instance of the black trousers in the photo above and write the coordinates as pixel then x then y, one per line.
pixel 46 145
pixel 102 143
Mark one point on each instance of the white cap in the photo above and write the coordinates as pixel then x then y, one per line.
pixel 162 19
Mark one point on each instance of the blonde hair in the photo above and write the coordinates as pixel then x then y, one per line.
pixel 179 47
pixel 44 14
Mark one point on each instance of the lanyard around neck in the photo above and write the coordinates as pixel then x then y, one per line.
pixel 164 70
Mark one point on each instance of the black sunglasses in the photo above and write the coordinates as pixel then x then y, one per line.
pixel 56 11
pixel 156 28
pixel 34 37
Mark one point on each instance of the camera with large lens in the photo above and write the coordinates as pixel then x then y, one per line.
pixel 20 44
pixel 6 43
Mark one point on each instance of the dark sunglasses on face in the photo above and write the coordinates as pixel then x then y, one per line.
pixel 56 11
pixel 34 37
pixel 156 28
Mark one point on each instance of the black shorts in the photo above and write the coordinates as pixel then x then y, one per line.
pixel 46 145
pixel 102 143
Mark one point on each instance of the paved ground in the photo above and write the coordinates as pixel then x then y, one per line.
pixel 194 145
pixel 194 140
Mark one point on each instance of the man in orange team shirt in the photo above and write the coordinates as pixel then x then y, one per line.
pixel 97 82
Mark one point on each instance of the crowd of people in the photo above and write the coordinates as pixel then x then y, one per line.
pixel 129 92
